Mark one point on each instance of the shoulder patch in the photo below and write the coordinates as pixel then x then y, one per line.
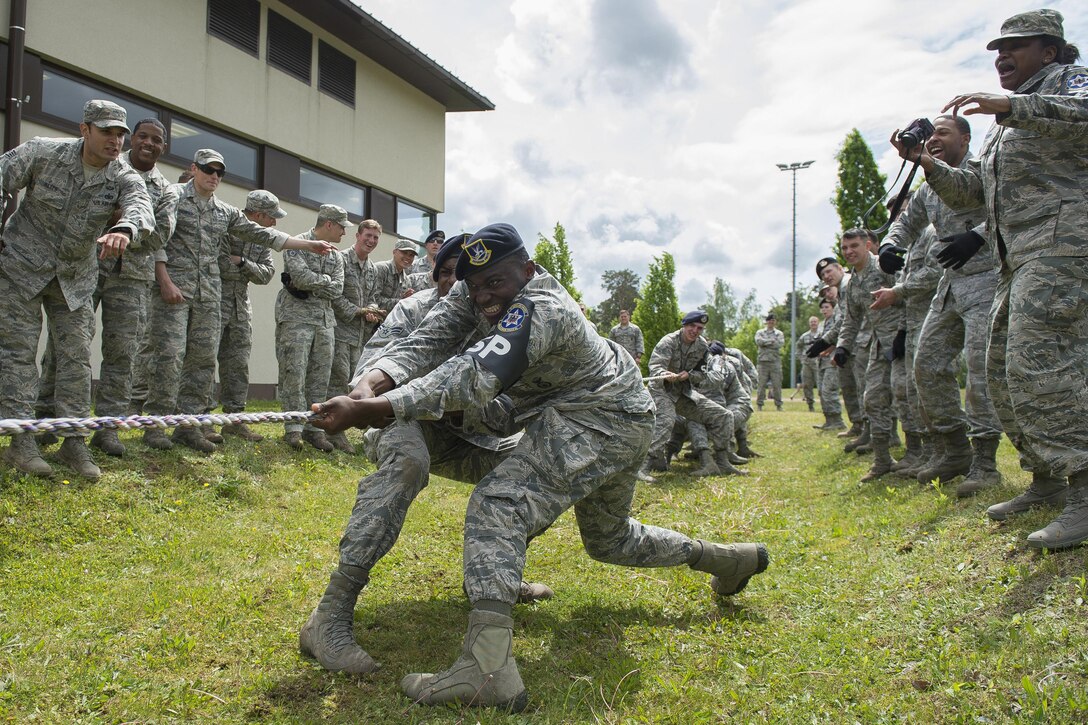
pixel 1077 84
pixel 505 353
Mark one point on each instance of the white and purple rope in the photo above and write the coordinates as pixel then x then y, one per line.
pixel 14 426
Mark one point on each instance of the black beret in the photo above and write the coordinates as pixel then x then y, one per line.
pixel 822 264
pixel 437 234
pixel 488 247
pixel 716 348
pixel 450 248
pixel 695 316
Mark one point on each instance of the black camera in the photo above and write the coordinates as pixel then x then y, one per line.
pixel 919 130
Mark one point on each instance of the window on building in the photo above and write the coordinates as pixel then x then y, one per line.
pixel 187 137
pixel 236 21
pixel 63 98
pixel 290 48
pixel 335 73
pixel 413 222
pixel 383 209
pixel 322 188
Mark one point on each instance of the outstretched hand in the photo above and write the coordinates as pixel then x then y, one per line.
pixel 991 104
pixel 340 413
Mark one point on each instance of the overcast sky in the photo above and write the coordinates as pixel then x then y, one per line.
pixel 646 126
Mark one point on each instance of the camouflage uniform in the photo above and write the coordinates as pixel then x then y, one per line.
pixel 672 355
pixel 828 375
pixel 769 344
pixel 880 401
pixel 915 287
pixel 304 328
pixel 747 374
pixel 123 290
pixel 49 261
pixel 810 367
pixel 723 386
pixel 629 337
pixel 185 336
pixel 1030 175
pixel 958 320
pixel 587 418
pixel 391 284
pixel 851 379
pixel 236 331
pixel 420 274
pixel 352 330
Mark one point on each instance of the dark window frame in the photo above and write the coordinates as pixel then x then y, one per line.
pixel 32 111
pixel 431 214
pixel 236 179
pixel 315 204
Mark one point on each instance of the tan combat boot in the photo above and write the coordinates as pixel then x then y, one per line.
pixel 156 438
pixel 293 438
pixel 317 439
pixel 242 431
pixel 23 454
pixel 106 440
pixel 73 451
pixel 341 443
pixel 983 473
pixel 731 565
pixel 956 460
pixel 708 467
pixel 1043 491
pixel 192 437
pixel 209 432
pixel 327 635
pixel 1071 526
pixel 485 675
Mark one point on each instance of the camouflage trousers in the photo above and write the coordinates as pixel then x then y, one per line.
pixel 881 404
pixel 19 334
pixel 141 364
pixel 405 453
pixel 344 357
pixel 695 407
pixel 586 459
pixel 304 353
pixel 684 429
pixel 1037 362
pixel 184 339
pixel 769 372
pixel 906 386
pixel 810 376
pixel 829 390
pixel 124 303
pixel 954 324
pixel 235 345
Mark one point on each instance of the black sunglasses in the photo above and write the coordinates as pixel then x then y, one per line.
pixel 209 169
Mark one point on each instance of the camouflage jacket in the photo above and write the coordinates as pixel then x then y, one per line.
pixel 672 355
pixel 139 264
pixel 885 324
pixel 628 337
pixel 391 284
pixel 400 321
pixel 926 209
pixel 832 332
pixel 1031 170
pixel 723 385
pixel 200 234
pixel 360 290
pixel 256 267
pixel 769 344
pixel 744 366
pixel 807 338
pixel 918 280
pixel 542 354
pixel 322 276
pixel 53 231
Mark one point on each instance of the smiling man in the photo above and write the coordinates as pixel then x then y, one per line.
pixel 587 424
pixel 49 263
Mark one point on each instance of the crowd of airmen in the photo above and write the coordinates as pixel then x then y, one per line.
pixel 476 364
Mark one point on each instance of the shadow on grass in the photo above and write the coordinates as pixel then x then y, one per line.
pixel 575 659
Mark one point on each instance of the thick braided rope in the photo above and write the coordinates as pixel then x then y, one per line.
pixel 14 426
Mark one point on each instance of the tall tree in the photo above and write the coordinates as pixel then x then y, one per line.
pixel 622 288
pixel 554 256
pixel 860 184
pixel 658 313
pixel 724 313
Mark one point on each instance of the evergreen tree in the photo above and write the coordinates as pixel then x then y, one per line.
pixel 622 288
pixel 658 313
pixel 860 184
pixel 554 256
pixel 745 338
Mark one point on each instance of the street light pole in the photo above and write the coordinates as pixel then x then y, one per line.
pixel 794 168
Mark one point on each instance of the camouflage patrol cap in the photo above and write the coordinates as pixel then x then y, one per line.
pixel 264 202
pixel 1029 25
pixel 209 156
pixel 333 213
pixel 105 114
pixel 404 244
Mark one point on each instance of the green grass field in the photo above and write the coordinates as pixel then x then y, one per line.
pixel 173 590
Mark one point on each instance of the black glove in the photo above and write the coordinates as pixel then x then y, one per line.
pixel 899 345
pixel 291 289
pixel 959 248
pixel 840 356
pixel 891 257
pixel 816 348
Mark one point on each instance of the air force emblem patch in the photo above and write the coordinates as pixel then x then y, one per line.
pixel 1077 85
pixel 477 251
pixel 514 318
